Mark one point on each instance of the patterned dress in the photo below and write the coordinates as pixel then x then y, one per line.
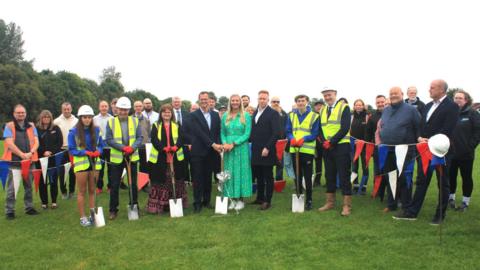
pixel 237 161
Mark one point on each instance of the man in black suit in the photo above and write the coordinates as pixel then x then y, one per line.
pixel 439 117
pixel 264 135
pixel 181 116
pixel 205 146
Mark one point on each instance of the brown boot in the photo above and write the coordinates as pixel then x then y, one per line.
pixel 347 205
pixel 329 204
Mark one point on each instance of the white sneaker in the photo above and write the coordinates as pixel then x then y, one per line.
pixel 85 222
pixel 240 205
pixel 232 205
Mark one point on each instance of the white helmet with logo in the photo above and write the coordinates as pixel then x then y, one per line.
pixel 439 145
pixel 124 103
pixel 85 110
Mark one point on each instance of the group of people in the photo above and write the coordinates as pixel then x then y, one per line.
pixel 190 146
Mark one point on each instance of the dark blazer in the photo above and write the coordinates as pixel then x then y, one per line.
pixel 265 134
pixel 443 120
pixel 201 138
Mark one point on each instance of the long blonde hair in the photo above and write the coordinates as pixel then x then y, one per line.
pixel 240 110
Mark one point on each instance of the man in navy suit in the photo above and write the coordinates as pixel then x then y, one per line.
pixel 439 117
pixel 205 142
pixel 264 135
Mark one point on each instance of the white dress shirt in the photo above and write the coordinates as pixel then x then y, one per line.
pixel 259 113
pixel 434 107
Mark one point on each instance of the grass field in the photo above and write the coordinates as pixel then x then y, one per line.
pixel 275 239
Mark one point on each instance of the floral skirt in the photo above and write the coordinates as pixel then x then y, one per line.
pixel 160 194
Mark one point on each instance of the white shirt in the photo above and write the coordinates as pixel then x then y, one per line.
pixel 152 116
pixel 178 115
pixel 102 121
pixel 65 124
pixel 434 107
pixel 207 118
pixel 259 113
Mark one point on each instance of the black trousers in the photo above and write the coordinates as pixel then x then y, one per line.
pixel 52 179
pixel 305 171
pixel 423 181
pixel 264 176
pixel 202 169
pixel 106 157
pixel 117 170
pixel 403 191
pixel 279 170
pixel 318 162
pixel 142 152
pixel 338 161
pixel 466 170
pixel 71 177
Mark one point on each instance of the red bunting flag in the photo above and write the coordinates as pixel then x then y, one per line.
pixel 369 148
pixel 37 173
pixel 425 155
pixel 358 149
pixel 70 157
pixel 376 186
pixel 280 147
pixel 25 169
pixel 143 179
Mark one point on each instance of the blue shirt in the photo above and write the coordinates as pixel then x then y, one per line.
pixel 315 127
pixel 7 132
pixel 72 144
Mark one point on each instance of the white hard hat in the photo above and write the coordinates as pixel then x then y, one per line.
pixel 439 145
pixel 124 103
pixel 327 89
pixel 85 110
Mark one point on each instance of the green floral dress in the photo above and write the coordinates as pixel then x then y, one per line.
pixel 237 161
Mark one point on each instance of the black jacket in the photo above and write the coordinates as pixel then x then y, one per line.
pixel 264 135
pixel 200 136
pixel 466 135
pixel 443 120
pixel 49 140
pixel 417 104
pixel 372 126
pixel 358 127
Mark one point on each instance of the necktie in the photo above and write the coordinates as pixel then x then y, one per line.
pixel 179 118
pixel 329 111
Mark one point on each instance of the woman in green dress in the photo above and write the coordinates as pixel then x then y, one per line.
pixel 235 132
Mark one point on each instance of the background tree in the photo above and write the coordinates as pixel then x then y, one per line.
pixel 222 101
pixel 451 92
pixel 110 85
pixel 11 43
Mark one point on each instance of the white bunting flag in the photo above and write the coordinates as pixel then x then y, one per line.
pixel 67 166
pixel 353 176
pixel 17 176
pixel 44 166
pixel 392 178
pixel 401 153
pixel 148 150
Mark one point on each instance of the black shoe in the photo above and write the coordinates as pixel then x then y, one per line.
pixel 265 206
pixel 32 212
pixel 197 209
pixel 308 206
pixel 10 216
pixel 462 208
pixel 208 206
pixel 405 216
pixel 437 220
pixel 257 202
pixel 451 203
pixel 123 186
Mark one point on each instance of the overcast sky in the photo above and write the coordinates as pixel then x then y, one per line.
pixel 362 48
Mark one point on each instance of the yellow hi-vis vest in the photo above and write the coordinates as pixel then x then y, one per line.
pixel 304 129
pixel 331 125
pixel 154 152
pixel 116 156
pixel 81 163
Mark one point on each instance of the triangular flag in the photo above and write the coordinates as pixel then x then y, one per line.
pixel 392 178
pixel 376 185
pixel 25 164
pixel 437 161
pixel 51 173
pixel 280 148
pixel 66 172
pixel 37 173
pixel 425 156
pixel 358 150
pixel 17 175
pixel 352 144
pixel 353 176
pixel 409 173
pixel 400 154
pixel 70 157
pixel 44 166
pixel 142 179
pixel 4 170
pixel 382 155
pixel 58 161
pixel 148 150
pixel 369 148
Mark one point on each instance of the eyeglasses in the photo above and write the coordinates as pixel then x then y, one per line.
pixel 275 101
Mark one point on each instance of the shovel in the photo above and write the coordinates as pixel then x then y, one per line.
pixel 221 202
pixel 96 213
pixel 176 205
pixel 132 208
pixel 298 200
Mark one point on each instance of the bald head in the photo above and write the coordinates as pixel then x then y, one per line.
pixel 438 89
pixel 396 95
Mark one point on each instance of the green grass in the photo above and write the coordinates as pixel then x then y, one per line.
pixel 275 239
